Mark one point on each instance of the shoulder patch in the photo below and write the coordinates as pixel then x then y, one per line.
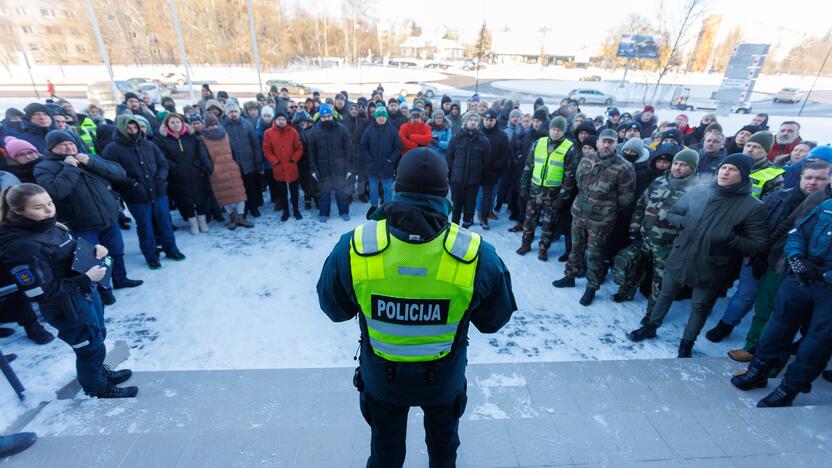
pixel 23 275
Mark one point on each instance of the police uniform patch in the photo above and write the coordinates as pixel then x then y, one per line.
pixel 23 276
pixel 410 311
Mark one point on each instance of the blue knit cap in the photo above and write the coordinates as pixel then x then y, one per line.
pixel 325 110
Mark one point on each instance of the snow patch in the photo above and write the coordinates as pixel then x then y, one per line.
pixel 499 380
pixel 488 411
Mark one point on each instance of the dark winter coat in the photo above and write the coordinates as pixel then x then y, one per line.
pixel 331 150
pixel 779 234
pixel 647 128
pixel 356 126
pixel 380 149
pixel 186 156
pixel 709 162
pixel 83 195
pixel 146 169
pixel 499 157
pixel 247 150
pixel 397 118
pixel 24 172
pixel 720 226
pixel 468 156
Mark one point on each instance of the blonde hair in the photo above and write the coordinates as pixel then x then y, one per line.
pixel 13 200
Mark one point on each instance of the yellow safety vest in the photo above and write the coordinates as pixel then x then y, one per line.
pixel 548 167
pixel 413 296
pixel 761 177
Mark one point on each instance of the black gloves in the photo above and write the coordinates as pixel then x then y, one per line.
pixel 806 271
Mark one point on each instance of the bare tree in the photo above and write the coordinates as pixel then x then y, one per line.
pixel 675 33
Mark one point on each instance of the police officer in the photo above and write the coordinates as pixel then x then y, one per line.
pixel 39 254
pixel 415 281
pixel 804 297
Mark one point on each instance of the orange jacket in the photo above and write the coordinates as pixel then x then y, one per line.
pixel 283 148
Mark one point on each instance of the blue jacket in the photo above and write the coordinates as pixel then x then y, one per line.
pixel 491 307
pixel 441 137
pixel 812 238
pixel 243 138
pixel 380 148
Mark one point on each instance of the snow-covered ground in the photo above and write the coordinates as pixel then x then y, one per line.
pixel 246 299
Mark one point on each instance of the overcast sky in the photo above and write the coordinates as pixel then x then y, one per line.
pixel 765 21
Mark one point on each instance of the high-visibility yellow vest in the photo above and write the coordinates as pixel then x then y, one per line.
pixel 548 167
pixel 413 296
pixel 761 177
pixel 88 132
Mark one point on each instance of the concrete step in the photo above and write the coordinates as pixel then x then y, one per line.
pixel 652 412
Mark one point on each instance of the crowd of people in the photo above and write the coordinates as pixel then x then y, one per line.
pixel 675 209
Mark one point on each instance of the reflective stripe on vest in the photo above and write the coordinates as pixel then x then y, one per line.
pixel 548 167
pixel 88 134
pixel 761 177
pixel 413 296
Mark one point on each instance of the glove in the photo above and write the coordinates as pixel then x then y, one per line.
pixel 806 271
pixel 315 176
pixel 759 265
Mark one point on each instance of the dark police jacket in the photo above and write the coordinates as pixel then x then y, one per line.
pixel 424 383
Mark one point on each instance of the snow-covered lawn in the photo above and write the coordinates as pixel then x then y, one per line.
pixel 246 299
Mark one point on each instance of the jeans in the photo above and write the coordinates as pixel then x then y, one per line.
pixel 700 304
pixel 109 237
pixel 486 200
pixel 743 299
pixel 86 337
pixel 464 199
pixel 149 215
pixel 388 425
pixel 386 187
pixel 328 185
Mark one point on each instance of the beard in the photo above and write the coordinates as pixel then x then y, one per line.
pixel 785 140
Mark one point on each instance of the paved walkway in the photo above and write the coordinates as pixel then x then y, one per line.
pixel 679 413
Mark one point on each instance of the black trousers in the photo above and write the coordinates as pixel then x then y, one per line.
pixel 388 424
pixel 464 199
pixel 254 195
pixel 282 194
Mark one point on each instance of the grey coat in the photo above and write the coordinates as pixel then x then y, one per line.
pixel 247 149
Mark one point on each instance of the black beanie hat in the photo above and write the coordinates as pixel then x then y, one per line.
pixel 586 127
pixel 30 109
pixel 592 141
pixel 741 161
pixel 14 112
pixel 540 115
pixel 422 170
pixel 445 98
pixel 130 95
pixel 57 136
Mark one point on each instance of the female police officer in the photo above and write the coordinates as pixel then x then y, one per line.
pixel 39 254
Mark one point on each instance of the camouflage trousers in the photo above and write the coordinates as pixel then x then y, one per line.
pixel 589 240
pixel 631 265
pixel 541 205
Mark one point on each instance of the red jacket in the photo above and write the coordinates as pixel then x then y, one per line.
pixel 283 148
pixel 415 135
pixel 777 149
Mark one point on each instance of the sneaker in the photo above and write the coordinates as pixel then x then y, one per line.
pixel 154 264
pixel 127 283
pixel 112 391
pixel 116 377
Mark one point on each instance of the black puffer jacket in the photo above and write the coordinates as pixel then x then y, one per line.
pixel 83 195
pixel 499 156
pixel 146 168
pixel 247 149
pixel 186 156
pixel 468 156
pixel 331 150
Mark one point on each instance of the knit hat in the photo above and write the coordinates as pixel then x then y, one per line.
pixel 12 112
pixel 558 122
pixel 222 94
pixel 630 125
pixel 194 118
pixel 445 98
pixel 130 95
pixel 684 116
pixel 231 106
pixel 381 111
pixel 206 87
pixel 490 114
pixel 673 134
pixel 592 141
pixel 259 96
pixel 267 110
pixel 362 101
pixel 213 103
pixel 437 113
pixel 613 111
pixel 608 134
pixel 713 126
pixel 475 98
pixel 633 144
pixel 422 170
pixel 689 157
pixel 416 112
pixel 515 113
pixel 273 89
pixel 752 129
pixel 325 110
pixel 55 137
pixel 281 113
pixel 741 161
pixel 649 108
pixel 211 120
pixel 586 127
pixel 539 114
pixel 30 110
pixel 15 146
pixel 764 139
pixel 455 104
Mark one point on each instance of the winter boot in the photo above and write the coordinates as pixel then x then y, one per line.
pixel 646 332
pixel 323 219
pixel 588 297
pixel 254 212
pixel 516 228
pixel 111 391
pixel 621 297
pixel 4 332
pixel 193 226
pixel 719 332
pixel 685 349
pixel 124 221
pixel 232 221
pixel 175 255
pixel 202 223
pixel 740 355
pixel 484 223
pixel 563 257
pixel 116 377
pixel 38 334
pixel 565 282
pixel 285 216
pixel 15 443
pixel 480 218
pixel 526 246
pixel 755 376
pixel 242 221
pixel 780 397
pixel 492 215
pixel 307 203
pixel 154 264
pixel 107 297
pixel 467 224
pixel 542 253
pixel 645 320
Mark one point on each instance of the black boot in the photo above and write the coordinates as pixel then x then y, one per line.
pixel 827 375
pixel 565 282
pixel 563 257
pixel 285 216
pixel 127 283
pixel 755 376
pixel 646 319
pixel 4 332
pixel 107 297
pixel 647 331
pixel 718 333
pixel 111 391
pixel 175 255
pixel 685 349
pixel 621 297
pixel 254 212
pixel 38 334
pixel 117 377
pixel 780 397
pixel 16 443
pixel 588 297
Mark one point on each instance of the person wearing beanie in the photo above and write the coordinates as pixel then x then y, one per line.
pixel 647 121
pixel 468 153
pixel 168 104
pixel 332 162
pixel 415 133
pixel 283 150
pixel 248 152
pixel 261 99
pixel 792 176
pixel 22 158
pixel 736 143
pixel 252 112
pixel 698 133
pixel 341 104
pixel 606 186
pixel 440 133
pixel 206 95
pixel 723 223
pixel 633 150
pixel 394 113
pixel 222 97
pixel 683 124
pixel 765 177
pixel 414 226
pixel 613 118
pixel 13 121
pixel 445 104
pixel 380 149
pixel 651 232
pixel 495 167
pixel 589 145
pixel 138 107
pixel 356 125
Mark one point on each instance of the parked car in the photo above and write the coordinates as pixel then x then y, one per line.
pixel 100 93
pixel 294 88
pixel 682 100
pixel 591 96
pixel 155 91
pixel 172 80
pixel 437 65
pixel 789 95
pixel 402 63
pixel 415 87
pixel 590 78
pixel 471 65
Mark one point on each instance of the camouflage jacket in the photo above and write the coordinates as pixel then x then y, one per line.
pixel 605 187
pixel 649 219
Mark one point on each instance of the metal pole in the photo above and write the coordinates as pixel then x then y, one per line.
pixel 31 78
pixel 809 94
pixel 182 52
pixel 103 50
pixel 626 69
pixel 254 44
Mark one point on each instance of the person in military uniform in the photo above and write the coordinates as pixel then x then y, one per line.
pixel 416 282
pixel 765 177
pixel 606 184
pixel 541 183
pixel 650 231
